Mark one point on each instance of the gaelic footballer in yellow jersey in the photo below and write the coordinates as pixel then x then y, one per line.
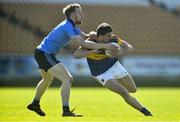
pixel 99 62
pixel 108 70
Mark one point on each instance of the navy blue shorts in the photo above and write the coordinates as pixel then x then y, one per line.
pixel 45 60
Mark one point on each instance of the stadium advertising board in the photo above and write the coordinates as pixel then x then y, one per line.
pixel 163 66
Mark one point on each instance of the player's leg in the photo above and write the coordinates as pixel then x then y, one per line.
pixel 108 79
pixel 114 86
pixel 61 73
pixel 40 89
pixel 46 80
pixel 128 83
pixel 119 72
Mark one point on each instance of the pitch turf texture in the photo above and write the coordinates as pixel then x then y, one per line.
pixel 96 104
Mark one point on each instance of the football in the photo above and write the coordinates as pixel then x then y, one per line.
pixel 109 53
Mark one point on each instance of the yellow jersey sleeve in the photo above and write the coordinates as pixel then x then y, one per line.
pixel 120 41
pixel 97 56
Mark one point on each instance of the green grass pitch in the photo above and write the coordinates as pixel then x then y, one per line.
pixel 96 104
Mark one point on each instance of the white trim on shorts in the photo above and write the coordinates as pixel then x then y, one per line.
pixel 50 60
pixel 116 71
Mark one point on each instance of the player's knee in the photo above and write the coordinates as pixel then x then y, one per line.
pixel 133 90
pixel 47 80
pixel 124 93
pixel 70 78
pixel 66 83
pixel 67 79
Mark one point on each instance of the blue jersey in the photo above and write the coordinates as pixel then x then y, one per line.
pixel 59 37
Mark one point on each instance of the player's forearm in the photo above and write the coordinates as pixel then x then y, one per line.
pixel 80 42
pixel 90 45
pixel 91 35
pixel 81 54
pixel 84 35
pixel 126 47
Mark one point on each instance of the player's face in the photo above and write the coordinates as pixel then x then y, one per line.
pixel 107 37
pixel 78 16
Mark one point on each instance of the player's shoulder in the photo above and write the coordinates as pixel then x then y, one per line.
pixel 117 39
pixel 61 25
pixel 65 23
pixel 113 40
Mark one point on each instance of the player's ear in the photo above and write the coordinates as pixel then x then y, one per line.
pixel 72 15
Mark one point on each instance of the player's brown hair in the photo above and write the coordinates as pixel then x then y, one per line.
pixel 68 9
pixel 103 28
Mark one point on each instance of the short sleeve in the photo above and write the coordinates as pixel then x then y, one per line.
pixel 120 41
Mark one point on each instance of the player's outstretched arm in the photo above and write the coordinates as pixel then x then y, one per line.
pixel 81 53
pixel 78 41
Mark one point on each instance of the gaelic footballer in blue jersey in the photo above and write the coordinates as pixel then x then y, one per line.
pixel 108 70
pixel 50 68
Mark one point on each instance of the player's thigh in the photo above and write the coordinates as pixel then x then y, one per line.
pixel 46 75
pixel 60 72
pixel 128 83
pixel 114 86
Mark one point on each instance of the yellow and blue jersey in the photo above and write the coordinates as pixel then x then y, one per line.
pixel 100 62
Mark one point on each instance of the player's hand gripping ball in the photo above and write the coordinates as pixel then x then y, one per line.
pixel 109 53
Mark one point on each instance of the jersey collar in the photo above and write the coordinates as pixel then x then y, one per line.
pixel 71 21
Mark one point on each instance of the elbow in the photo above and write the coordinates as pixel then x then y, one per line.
pixel 75 55
pixel 77 41
pixel 81 44
pixel 130 48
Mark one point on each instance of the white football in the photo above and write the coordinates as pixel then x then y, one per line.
pixel 109 53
